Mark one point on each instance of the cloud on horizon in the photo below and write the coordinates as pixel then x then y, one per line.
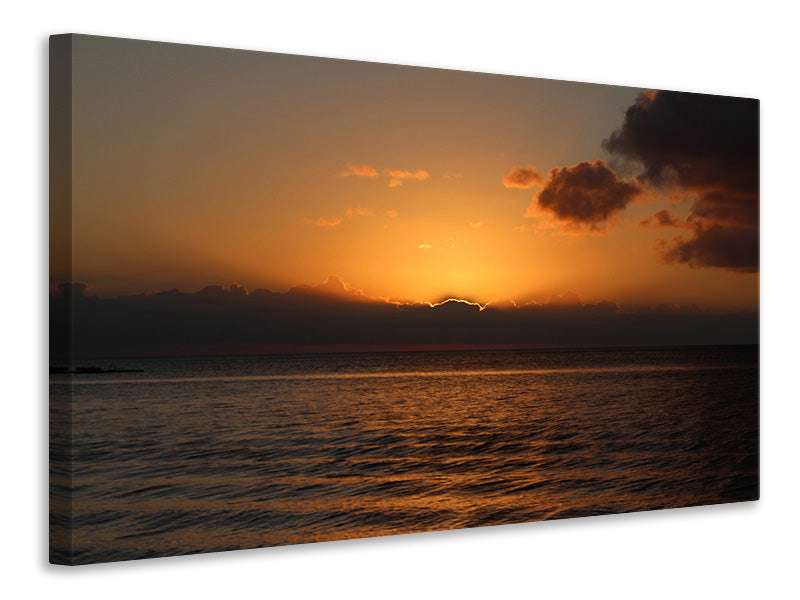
pixel 225 320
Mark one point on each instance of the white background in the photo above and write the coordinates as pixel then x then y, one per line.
pixel 746 49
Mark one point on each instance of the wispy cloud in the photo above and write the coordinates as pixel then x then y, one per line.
pixel 476 225
pixel 392 214
pixel 398 176
pixel 523 178
pixel 359 211
pixel 424 246
pixel 419 174
pixel 359 171
pixel 323 222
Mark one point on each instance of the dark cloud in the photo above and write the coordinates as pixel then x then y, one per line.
pixel 707 148
pixel 565 299
pixel 727 207
pixel 695 140
pixel 333 316
pixel 584 194
pixel 725 246
pixel 523 178
pixel 334 287
pixel 663 218
pixel 76 288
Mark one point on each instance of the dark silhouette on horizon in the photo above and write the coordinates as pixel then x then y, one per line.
pixel 219 320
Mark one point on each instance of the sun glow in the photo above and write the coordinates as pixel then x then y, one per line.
pixel 408 204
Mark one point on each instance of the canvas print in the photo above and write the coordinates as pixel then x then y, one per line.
pixel 297 299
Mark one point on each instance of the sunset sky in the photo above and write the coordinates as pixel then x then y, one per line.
pixel 198 166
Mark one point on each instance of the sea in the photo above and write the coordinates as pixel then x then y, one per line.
pixel 206 454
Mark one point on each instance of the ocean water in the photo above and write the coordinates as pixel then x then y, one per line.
pixel 208 454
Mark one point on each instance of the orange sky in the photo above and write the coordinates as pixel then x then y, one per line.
pixel 195 166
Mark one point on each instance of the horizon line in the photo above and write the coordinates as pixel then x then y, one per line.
pixel 402 349
pixel 346 292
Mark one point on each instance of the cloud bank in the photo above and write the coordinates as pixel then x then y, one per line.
pixel 333 316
